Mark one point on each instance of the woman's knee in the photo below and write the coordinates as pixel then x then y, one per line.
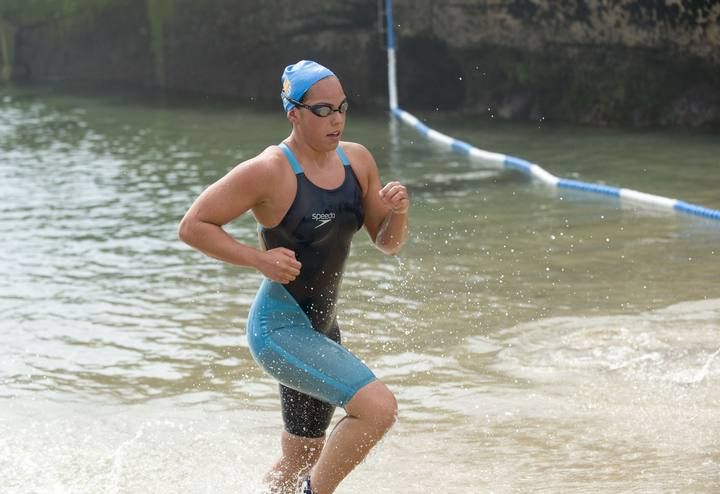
pixel 387 412
pixel 376 404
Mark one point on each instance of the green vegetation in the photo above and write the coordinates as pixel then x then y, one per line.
pixel 7 51
pixel 158 11
pixel 21 13
pixel 16 15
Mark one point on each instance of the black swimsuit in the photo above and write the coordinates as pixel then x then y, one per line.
pixel 292 329
pixel 318 227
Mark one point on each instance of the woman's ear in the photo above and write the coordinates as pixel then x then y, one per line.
pixel 292 115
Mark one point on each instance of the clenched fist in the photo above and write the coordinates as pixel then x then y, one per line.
pixel 279 265
pixel 394 195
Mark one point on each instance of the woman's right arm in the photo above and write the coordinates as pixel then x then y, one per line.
pixel 244 188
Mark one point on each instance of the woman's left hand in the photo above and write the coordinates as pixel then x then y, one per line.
pixel 394 195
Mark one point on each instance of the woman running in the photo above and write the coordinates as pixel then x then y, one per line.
pixel 310 194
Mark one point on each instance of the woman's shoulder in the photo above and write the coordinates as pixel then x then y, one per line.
pixel 355 149
pixel 270 161
pixel 358 155
pixel 261 171
pixel 272 156
pixel 362 162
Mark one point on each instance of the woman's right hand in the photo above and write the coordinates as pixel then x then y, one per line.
pixel 279 265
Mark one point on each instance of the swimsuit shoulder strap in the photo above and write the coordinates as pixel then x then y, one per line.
pixel 291 158
pixel 343 156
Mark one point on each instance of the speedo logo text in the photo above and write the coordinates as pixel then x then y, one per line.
pixel 323 218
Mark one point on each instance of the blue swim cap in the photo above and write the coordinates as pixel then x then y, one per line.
pixel 297 79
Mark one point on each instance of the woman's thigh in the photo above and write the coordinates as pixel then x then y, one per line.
pixel 287 347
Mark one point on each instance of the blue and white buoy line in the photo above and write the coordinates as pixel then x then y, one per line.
pixel 505 161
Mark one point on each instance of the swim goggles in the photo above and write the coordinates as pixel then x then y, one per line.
pixel 323 109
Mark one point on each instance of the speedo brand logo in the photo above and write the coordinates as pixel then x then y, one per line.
pixel 322 218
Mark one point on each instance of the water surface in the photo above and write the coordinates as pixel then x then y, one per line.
pixel 537 340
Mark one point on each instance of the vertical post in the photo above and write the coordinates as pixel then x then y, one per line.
pixel 392 81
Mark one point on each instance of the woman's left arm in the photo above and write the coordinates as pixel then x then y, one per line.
pixel 386 208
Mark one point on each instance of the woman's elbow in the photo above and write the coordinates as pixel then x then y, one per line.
pixel 185 230
pixel 389 249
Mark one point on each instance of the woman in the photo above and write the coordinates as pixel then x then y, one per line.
pixel 310 194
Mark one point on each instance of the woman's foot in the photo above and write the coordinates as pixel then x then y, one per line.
pixel 306 486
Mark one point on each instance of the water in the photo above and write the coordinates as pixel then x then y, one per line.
pixel 537 340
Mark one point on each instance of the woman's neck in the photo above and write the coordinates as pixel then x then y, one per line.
pixel 309 155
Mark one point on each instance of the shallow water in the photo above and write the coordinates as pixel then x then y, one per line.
pixel 538 341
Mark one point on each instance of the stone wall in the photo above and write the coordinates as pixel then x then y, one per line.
pixel 650 62
pixel 641 63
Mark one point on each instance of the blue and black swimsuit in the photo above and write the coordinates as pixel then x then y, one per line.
pixel 292 329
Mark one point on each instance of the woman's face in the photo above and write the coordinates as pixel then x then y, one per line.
pixel 321 133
